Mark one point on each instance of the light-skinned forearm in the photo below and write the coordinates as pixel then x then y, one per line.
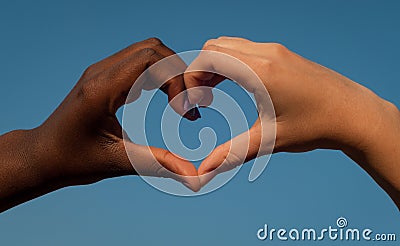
pixel 372 139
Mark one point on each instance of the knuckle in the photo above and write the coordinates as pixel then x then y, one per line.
pixel 210 42
pixel 235 39
pixel 212 47
pixel 89 70
pixel 263 64
pixel 87 90
pixel 277 49
pixel 154 41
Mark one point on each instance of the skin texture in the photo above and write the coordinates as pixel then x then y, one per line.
pixel 82 141
pixel 315 108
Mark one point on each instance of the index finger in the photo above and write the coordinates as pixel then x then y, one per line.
pixel 213 65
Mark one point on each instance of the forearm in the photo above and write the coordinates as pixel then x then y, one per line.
pixel 373 141
pixel 24 174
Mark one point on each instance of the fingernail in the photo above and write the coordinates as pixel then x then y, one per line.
pixel 193 114
pixel 196 113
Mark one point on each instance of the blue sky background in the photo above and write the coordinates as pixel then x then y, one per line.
pixel 45 46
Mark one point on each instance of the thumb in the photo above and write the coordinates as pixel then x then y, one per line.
pixel 231 154
pixel 157 162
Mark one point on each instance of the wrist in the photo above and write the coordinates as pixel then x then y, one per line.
pixel 44 157
pixel 372 124
pixel 359 118
pixel 372 139
pixel 19 148
pixel 23 176
pixel 41 156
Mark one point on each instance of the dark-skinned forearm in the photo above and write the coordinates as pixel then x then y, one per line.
pixel 24 174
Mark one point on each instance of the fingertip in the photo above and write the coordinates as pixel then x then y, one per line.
pixel 196 113
pixel 192 182
pixel 194 186
pixel 193 114
pixel 186 173
pixel 196 189
pixel 181 106
pixel 207 98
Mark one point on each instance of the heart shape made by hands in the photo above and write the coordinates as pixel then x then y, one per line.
pixel 200 77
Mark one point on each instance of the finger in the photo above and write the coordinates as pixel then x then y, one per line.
pixel 177 98
pixel 113 86
pixel 229 42
pixel 231 154
pixel 244 46
pixel 177 168
pixel 238 66
pixel 199 86
pixel 129 57
pixel 123 54
pixel 224 62
pixel 125 73
pixel 206 89
pixel 207 98
pixel 174 87
pixel 233 38
pixel 156 162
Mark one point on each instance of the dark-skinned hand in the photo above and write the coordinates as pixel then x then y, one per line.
pixel 82 141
